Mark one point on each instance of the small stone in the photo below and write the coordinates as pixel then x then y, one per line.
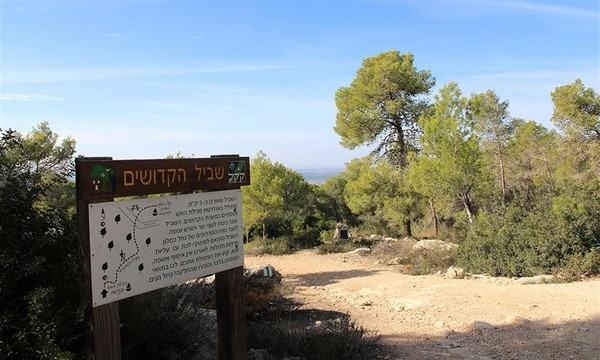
pixel 455 273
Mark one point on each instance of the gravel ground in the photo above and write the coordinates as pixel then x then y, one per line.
pixel 431 317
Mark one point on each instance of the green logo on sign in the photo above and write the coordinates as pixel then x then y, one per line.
pixel 103 179
pixel 237 172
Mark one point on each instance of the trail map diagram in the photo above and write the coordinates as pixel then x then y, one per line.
pixel 141 245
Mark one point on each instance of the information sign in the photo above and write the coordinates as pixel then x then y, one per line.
pixel 141 245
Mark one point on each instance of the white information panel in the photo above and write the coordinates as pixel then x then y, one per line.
pixel 142 245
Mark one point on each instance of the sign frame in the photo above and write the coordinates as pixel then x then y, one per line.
pixel 101 179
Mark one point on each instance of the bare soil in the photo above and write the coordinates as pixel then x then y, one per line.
pixel 431 317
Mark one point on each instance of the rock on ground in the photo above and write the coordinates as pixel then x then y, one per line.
pixel 262 284
pixel 455 273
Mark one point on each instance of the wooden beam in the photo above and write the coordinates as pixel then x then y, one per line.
pixel 231 317
pixel 105 337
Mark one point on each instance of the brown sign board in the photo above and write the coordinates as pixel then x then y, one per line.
pixel 116 178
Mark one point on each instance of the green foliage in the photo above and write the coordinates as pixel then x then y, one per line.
pixel 450 166
pixel 518 242
pixel 280 204
pixel 414 262
pixel 577 114
pixel 533 155
pixel 276 246
pixel 578 207
pixel 581 265
pixel 331 195
pixel 277 196
pixel 382 105
pixel 338 338
pixel 380 195
pixel 41 314
pixel 577 111
pixel 491 121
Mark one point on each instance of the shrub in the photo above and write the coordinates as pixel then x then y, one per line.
pixel 581 265
pixel 277 246
pixel 41 311
pixel 168 323
pixel 517 242
pixel 338 338
pixel 337 247
pixel 417 262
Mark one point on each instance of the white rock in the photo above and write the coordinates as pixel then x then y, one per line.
pixel 360 251
pixel 540 279
pixel 455 273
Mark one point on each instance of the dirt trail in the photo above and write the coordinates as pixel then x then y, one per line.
pixel 430 317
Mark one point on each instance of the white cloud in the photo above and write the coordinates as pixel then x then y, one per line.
pixel 59 75
pixel 542 8
pixel 29 97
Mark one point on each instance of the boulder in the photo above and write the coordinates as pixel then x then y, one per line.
pixel 262 284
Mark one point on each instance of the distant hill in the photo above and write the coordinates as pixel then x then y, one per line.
pixel 319 175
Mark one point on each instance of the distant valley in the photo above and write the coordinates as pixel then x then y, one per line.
pixel 318 175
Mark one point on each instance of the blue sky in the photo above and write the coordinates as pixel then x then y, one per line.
pixel 136 79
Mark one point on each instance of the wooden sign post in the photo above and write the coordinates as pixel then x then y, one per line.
pixel 134 246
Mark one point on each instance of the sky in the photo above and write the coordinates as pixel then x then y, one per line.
pixel 144 79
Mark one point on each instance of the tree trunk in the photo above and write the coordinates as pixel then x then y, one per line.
pixel 407 230
pixel 548 174
pixel 434 217
pixel 468 207
pixel 502 176
pixel 263 231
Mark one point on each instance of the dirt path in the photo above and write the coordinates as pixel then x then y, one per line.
pixel 430 317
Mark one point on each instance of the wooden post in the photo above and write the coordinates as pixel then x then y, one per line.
pixel 231 317
pixel 105 334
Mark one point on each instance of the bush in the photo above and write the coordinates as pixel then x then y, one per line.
pixel 167 324
pixel 41 311
pixel 581 265
pixel 338 338
pixel 337 247
pixel 416 262
pixel 277 246
pixel 517 242
pixel 306 238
